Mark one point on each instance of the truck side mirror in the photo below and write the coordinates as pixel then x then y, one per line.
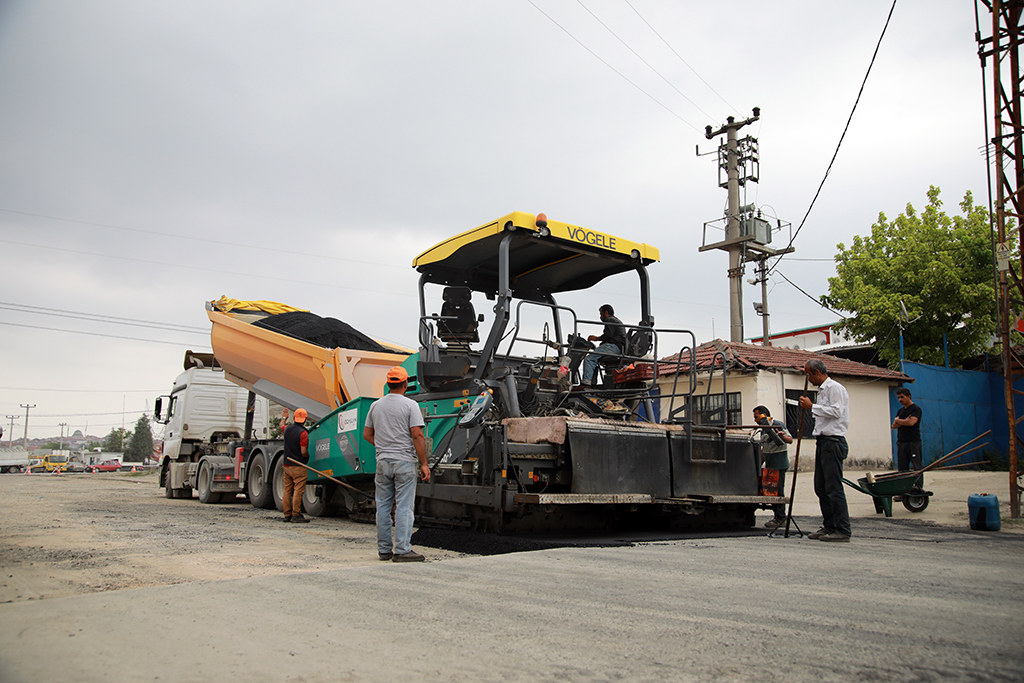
pixel 156 408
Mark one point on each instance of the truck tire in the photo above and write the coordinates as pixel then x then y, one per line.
pixel 315 500
pixel 183 493
pixel 277 484
pixel 204 482
pixel 259 483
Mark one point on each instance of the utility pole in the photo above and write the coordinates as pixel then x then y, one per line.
pixel 761 307
pixel 27 408
pixel 62 426
pixel 747 234
pixel 732 215
pixel 10 434
pixel 1007 140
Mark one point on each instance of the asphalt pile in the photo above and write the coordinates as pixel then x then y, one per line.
pixel 329 333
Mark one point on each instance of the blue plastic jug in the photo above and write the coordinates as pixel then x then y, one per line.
pixel 984 511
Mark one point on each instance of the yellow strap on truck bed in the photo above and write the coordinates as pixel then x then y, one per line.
pixel 272 307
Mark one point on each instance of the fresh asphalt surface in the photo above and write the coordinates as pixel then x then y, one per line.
pixel 906 600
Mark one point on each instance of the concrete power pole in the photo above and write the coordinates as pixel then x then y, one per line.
pixel 10 434
pixel 747 233
pixel 27 407
pixel 732 229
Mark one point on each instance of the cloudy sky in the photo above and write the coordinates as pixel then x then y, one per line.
pixel 157 155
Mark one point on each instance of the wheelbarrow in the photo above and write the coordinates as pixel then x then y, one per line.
pixel 882 491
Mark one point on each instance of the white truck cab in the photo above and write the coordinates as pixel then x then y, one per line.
pixel 203 410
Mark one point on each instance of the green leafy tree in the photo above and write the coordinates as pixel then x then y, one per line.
pixel 940 267
pixel 140 442
pixel 116 440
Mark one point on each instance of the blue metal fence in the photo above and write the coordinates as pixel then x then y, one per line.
pixel 956 406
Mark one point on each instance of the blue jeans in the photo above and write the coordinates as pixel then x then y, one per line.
pixel 590 362
pixel 829 455
pixel 396 488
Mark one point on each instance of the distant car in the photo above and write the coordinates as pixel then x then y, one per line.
pixel 107 466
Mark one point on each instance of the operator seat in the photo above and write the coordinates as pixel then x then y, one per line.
pixel 461 330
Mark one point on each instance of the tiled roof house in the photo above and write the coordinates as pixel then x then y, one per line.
pixel 773 377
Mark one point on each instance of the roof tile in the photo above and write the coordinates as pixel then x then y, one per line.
pixel 740 356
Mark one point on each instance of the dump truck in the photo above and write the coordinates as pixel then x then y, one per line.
pixel 517 441
pixel 216 417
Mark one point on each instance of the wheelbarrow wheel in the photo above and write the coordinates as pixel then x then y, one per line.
pixel 915 503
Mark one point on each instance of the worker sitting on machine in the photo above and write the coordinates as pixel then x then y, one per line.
pixel 612 342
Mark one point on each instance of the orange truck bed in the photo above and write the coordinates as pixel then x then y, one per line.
pixel 292 372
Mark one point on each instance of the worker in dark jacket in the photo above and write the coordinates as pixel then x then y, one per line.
pixel 296 448
pixel 612 341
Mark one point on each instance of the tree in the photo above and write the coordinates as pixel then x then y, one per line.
pixel 140 443
pixel 939 267
pixel 116 440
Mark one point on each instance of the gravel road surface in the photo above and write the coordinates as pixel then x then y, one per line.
pixel 226 592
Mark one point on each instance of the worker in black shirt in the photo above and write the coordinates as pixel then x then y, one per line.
pixel 908 434
pixel 612 341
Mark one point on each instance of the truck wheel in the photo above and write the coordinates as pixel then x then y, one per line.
pixel 258 482
pixel 315 500
pixel 184 492
pixel 278 484
pixel 205 483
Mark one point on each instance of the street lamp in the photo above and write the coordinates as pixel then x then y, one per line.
pixel 62 426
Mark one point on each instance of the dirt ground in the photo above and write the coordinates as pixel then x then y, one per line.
pixel 84 533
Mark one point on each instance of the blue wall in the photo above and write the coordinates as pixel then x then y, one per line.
pixel 956 405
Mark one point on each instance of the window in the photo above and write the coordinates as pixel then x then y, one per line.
pixel 793 411
pixel 708 409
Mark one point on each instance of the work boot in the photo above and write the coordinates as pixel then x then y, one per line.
pixel 287 518
pixel 774 523
pixel 299 519
pixel 384 557
pixel 408 557
pixel 835 537
pixel 819 533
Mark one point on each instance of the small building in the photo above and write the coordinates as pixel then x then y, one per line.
pixel 773 377
pixel 806 338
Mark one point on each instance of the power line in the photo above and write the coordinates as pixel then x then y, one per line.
pixel 120 412
pixel 580 43
pixel 681 59
pixel 203 269
pixel 233 245
pixel 646 63
pixel 93 334
pixel 841 138
pixel 804 292
pixel 98 317
pixel 85 391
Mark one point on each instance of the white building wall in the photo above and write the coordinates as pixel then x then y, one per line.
pixel 869 435
pixel 870 421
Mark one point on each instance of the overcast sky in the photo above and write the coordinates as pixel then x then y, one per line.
pixel 156 155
